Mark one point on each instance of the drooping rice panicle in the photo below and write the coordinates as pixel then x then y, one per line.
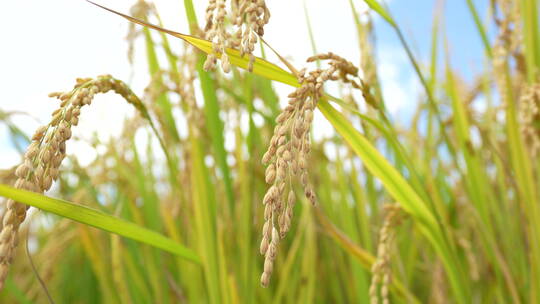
pixel 288 153
pixel 42 160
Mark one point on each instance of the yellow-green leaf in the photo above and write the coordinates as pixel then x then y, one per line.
pixel 261 67
pixel 377 7
pixel 98 219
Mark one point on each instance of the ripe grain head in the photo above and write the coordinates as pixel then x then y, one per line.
pixel 288 153
pixel 43 157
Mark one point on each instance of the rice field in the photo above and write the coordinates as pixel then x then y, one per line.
pixel 233 197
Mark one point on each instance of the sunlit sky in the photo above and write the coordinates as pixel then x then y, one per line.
pixel 47 44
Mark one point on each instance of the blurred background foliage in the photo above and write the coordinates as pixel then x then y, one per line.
pixel 475 169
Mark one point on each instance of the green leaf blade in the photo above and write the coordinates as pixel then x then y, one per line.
pixel 379 9
pixel 98 219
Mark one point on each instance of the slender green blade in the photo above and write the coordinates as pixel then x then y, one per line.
pixel 98 219
pixel 480 28
pixel 216 128
pixel 377 7
pixel 402 192
pixel 261 67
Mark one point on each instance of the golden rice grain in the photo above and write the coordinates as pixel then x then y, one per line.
pixel 381 271
pixel 44 156
pixel 289 150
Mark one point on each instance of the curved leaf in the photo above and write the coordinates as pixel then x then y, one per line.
pixel 98 219
pixel 377 7
pixel 261 67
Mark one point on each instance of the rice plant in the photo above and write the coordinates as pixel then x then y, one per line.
pixel 443 209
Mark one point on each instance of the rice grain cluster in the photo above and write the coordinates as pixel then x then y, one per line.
pixel 381 271
pixel 248 16
pixel 530 118
pixel 44 156
pixel 288 153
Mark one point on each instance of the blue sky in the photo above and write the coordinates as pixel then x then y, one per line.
pixel 416 20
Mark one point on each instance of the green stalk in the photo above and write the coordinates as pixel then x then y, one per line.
pixel 480 28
